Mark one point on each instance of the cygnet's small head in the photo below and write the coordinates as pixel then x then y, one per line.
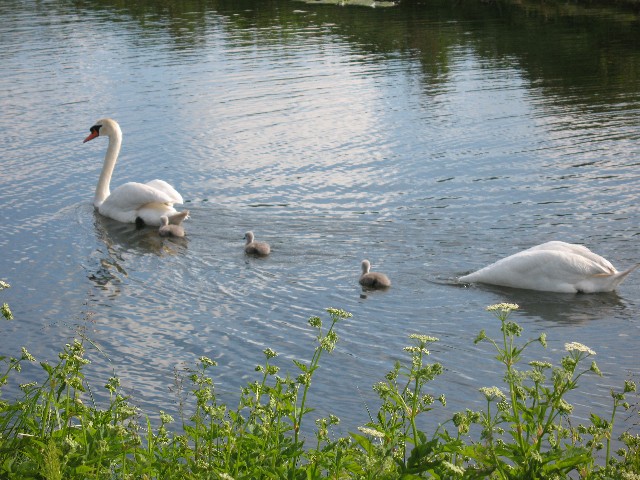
pixel 164 221
pixel 366 266
pixel 249 237
pixel 103 128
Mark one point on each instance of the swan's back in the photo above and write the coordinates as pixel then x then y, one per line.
pixel 167 189
pixel 575 249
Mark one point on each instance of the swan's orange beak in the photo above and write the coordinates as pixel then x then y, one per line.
pixel 92 135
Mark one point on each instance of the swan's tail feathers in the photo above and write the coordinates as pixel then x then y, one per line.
pixel 617 278
pixel 178 218
pixel 622 275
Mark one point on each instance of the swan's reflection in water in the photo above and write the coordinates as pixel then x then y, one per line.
pixel 122 239
pixel 567 308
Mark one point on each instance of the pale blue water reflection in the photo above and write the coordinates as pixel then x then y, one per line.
pixel 432 150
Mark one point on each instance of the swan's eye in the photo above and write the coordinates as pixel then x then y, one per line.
pixel 95 129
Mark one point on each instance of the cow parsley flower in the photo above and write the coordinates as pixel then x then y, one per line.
pixel 503 307
pixel 492 393
pixel 578 347
pixel 371 431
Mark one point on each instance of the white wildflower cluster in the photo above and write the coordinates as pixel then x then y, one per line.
pixel 491 393
pixel 578 347
pixel 339 313
pixel 630 476
pixel 71 443
pixel 5 311
pixel 26 386
pixel 371 431
pixel 455 469
pixel 564 407
pixel 270 353
pixel 207 362
pixel 543 339
pixel 165 418
pixel 414 349
pixel 503 307
pixel 423 338
pixel 27 356
pixel 540 365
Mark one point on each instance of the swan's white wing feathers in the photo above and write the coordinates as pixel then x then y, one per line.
pixel 164 187
pixel 133 195
pixel 575 249
pixel 563 264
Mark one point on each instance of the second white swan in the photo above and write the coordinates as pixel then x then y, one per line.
pixel 132 202
pixel 552 267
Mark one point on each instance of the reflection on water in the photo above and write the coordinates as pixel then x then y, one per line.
pixel 573 309
pixel 120 238
pixel 430 139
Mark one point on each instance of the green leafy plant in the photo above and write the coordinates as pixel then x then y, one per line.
pixel 55 430
pixel 4 309
pixel 392 440
pixel 526 430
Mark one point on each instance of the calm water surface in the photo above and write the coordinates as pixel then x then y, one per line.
pixel 430 140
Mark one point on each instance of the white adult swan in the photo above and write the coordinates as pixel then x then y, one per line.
pixel 132 202
pixel 552 267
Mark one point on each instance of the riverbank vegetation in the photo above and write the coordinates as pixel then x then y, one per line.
pixel 55 430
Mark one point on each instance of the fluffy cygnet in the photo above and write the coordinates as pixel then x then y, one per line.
pixel 255 248
pixel 172 227
pixel 373 279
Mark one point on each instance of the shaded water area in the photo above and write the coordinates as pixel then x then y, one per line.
pixel 431 138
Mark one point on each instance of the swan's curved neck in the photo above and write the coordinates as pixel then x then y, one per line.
pixel 102 189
